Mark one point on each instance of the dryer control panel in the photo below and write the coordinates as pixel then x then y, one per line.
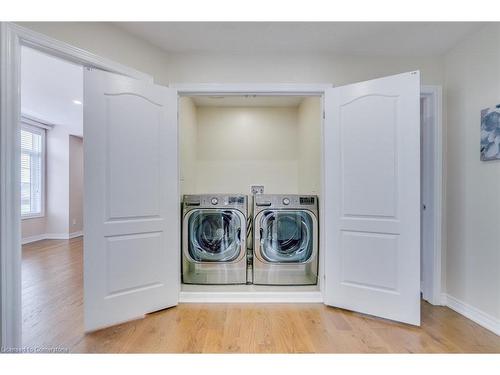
pixel 290 201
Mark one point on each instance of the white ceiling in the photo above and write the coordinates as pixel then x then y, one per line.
pixel 346 38
pixel 247 101
pixel 48 87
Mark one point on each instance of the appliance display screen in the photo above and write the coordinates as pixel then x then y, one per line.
pixel 236 200
pixel 306 200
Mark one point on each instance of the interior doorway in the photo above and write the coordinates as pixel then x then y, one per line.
pixel 14 38
pixel 51 136
pixel 431 168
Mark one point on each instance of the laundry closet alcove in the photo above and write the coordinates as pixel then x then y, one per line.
pixel 229 143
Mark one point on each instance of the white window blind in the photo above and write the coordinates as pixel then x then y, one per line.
pixel 32 169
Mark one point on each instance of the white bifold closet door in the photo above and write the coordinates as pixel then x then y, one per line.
pixel 372 197
pixel 131 199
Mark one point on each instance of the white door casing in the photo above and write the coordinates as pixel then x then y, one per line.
pixel 372 197
pixel 131 210
pixel 428 235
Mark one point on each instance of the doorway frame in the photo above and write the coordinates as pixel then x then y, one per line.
pixel 13 38
pixel 433 94
pixel 263 89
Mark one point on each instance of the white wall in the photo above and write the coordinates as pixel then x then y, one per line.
pixel 57 204
pixel 309 145
pixel 240 147
pixel 473 187
pixel 32 228
pixel 228 149
pixel 75 216
pixel 109 41
pixel 300 67
pixel 187 144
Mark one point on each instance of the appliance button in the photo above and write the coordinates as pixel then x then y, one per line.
pixel 286 201
pixel 214 201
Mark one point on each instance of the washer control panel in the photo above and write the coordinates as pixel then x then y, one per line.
pixel 215 200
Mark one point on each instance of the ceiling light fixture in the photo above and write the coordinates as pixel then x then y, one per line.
pixel 77 102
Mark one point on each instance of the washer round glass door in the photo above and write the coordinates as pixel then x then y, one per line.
pixel 286 236
pixel 214 235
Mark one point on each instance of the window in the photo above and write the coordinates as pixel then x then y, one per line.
pixel 32 171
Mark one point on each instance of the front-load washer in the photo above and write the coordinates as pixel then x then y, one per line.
pixel 285 239
pixel 214 232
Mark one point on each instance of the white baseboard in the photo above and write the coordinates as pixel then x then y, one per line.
pixel 31 239
pixel 444 299
pixel 473 313
pixel 250 297
pixel 75 234
pixel 57 236
pixel 51 236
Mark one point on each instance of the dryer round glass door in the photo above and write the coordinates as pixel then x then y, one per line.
pixel 286 236
pixel 214 235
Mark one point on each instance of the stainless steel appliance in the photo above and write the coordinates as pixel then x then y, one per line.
pixel 285 239
pixel 214 233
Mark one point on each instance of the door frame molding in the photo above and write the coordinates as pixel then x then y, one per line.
pixel 265 89
pixel 434 95
pixel 13 37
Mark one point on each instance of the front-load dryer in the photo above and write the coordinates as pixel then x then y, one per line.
pixel 214 239
pixel 285 239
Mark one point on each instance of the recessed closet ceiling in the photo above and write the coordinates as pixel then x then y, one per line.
pixel 247 101
pixel 345 38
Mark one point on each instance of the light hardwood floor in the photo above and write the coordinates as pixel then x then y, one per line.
pixel 53 317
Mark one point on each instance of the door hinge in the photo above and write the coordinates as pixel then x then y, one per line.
pixel 323 115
